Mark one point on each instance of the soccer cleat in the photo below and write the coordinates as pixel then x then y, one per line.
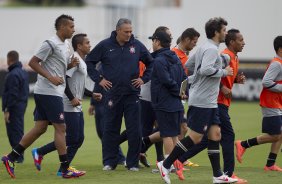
pixel 72 173
pixel 179 169
pixel 240 150
pixel 143 159
pixel 73 169
pixel 107 168
pixel 190 164
pixel 240 180
pixel 273 168
pixel 59 173
pixel 10 166
pixel 224 179
pixel 37 159
pixel 163 172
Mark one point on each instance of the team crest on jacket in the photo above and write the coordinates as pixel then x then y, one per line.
pixel 132 49
pixel 110 103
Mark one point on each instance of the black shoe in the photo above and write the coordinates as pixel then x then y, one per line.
pixel 122 163
pixel 143 160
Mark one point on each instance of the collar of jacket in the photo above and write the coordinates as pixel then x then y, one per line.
pixel 157 52
pixel 114 38
pixel 15 65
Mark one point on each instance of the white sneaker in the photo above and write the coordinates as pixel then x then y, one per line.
pixel 135 169
pixel 163 172
pixel 107 168
pixel 224 179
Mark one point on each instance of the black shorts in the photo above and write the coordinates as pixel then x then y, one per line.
pixel 49 108
pixel 272 125
pixel 200 119
pixel 169 123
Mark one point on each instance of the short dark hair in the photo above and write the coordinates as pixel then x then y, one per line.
pixel 277 43
pixel 178 40
pixel 62 19
pixel 189 33
pixel 77 39
pixel 213 25
pixel 122 21
pixel 231 35
pixel 166 41
pixel 13 55
pixel 161 28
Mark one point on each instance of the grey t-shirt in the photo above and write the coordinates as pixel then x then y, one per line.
pixel 273 73
pixel 55 62
pixel 207 66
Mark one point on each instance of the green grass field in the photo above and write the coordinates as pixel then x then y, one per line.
pixel 246 119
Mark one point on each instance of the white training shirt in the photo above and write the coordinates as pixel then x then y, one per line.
pixel 76 82
pixel 55 62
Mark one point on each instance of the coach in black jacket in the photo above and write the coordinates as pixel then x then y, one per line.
pixel 14 99
pixel 119 56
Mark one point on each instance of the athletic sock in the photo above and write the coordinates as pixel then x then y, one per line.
pixel 123 137
pixel 271 159
pixel 249 143
pixel 16 152
pixel 46 148
pixel 214 156
pixel 159 151
pixel 146 144
pixel 146 140
pixel 64 163
pixel 180 148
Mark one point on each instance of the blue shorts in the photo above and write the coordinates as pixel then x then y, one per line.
pixel 49 108
pixel 200 119
pixel 169 123
pixel 272 125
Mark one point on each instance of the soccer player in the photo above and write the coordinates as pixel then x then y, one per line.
pixel 167 76
pixel 14 100
pixel 235 42
pixel 271 107
pixel 203 102
pixel 76 87
pixel 186 42
pixel 50 62
pixel 119 56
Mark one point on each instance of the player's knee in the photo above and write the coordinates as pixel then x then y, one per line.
pixel 60 128
pixel 275 138
pixel 214 133
pixel 217 137
pixel 42 130
pixel 184 127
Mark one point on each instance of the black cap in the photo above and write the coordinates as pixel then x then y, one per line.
pixel 162 36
